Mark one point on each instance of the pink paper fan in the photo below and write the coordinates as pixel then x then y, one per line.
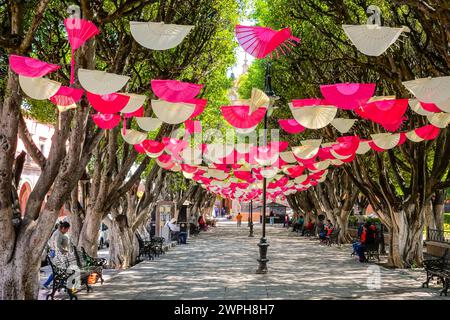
pixel 30 67
pixel 239 118
pixel 107 103
pixel 291 126
pixel 296 171
pixel 348 96
pixel 431 107
pixel 139 148
pixel 67 96
pixel 262 41
pixel 325 154
pixel 193 126
pixel 375 147
pixel 402 139
pixel 428 132
pixel 138 113
pixel 175 91
pixel 78 31
pixel 188 168
pixel 394 126
pixel 106 121
pixel 200 105
pixel 243 175
pixel 310 102
pixel 152 146
pixel 346 146
pixel 384 111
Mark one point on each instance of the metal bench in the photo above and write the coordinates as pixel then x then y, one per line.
pixel 439 268
pixel 333 237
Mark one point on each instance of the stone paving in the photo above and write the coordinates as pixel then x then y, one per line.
pixel 221 263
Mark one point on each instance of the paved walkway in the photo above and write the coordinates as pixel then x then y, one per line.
pixel 221 264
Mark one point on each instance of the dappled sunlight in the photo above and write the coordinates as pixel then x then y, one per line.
pixel 221 264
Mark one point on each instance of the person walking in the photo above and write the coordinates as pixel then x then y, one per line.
pixel 272 218
pixel 59 246
pixel 239 219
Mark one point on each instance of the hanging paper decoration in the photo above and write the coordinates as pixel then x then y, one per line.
pixel 343 125
pixel 258 99
pixel 133 136
pixel 135 102
pixel 101 82
pixel 153 148
pixel 106 121
pixel 440 120
pixel 107 103
pixel 428 132
pixel 348 96
pixel 200 105
pixel 175 91
pixel 139 113
pixel 78 31
pixel 288 156
pixel 385 141
pixel 172 113
pixel 30 67
pixel 66 108
pixel 158 35
pixel 67 96
pixel 148 124
pixel 165 161
pixel 372 39
pixel 291 126
pixel 363 147
pixel 193 126
pixel 431 90
pixel 238 116
pixel 245 131
pixel 38 88
pixel 385 112
pixel 308 150
pixel 262 41
pixel 312 113
pixel 345 146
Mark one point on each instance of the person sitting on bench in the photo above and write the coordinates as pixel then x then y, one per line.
pixel 328 228
pixel 368 236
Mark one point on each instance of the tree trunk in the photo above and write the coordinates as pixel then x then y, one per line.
pixel 89 232
pixel 406 244
pixel 342 224
pixel 123 248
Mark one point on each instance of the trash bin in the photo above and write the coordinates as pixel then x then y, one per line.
pixel 182 236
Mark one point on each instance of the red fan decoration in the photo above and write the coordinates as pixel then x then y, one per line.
pixel 67 96
pixel 428 132
pixel 175 91
pixel 78 31
pixel 30 67
pixel 384 112
pixel 348 96
pixel 238 116
pixel 200 105
pixel 431 107
pixel 107 103
pixel 106 121
pixel 346 146
pixel 152 146
pixel 291 126
pixel 262 41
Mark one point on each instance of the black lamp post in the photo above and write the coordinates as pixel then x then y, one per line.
pixel 263 245
pixel 250 222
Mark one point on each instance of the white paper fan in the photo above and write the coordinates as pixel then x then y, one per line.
pixel 412 135
pixel 430 90
pixel 415 105
pixel 133 136
pixel 136 101
pixel 148 123
pixel 301 179
pixel 217 174
pixel 439 119
pixel 343 125
pixel 216 151
pixel 38 88
pixel 267 162
pixel 172 113
pixel 444 105
pixel 288 156
pixel 372 40
pixel 157 35
pixel 101 82
pixel 269 173
pixel 386 141
pixel 380 98
pixel 324 177
pixel 314 117
pixel 363 147
pixel 305 152
pixel 258 99
pixel 336 162
pixel 176 168
pixel 66 108
pixel 338 156
pixel 311 142
pixel 188 175
pixel 322 165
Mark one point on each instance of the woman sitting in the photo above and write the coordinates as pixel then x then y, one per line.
pixel 202 224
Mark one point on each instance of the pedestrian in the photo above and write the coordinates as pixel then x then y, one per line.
pixel 59 246
pixel 224 212
pixel 272 218
pixel 239 219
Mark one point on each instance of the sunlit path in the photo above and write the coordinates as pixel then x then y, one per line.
pixel 221 264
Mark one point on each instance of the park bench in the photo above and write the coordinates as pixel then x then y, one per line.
pixel 372 251
pixel 439 268
pixel 145 248
pixel 333 237
pixel 66 273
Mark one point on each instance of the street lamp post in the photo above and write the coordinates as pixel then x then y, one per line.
pixel 250 224
pixel 263 245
